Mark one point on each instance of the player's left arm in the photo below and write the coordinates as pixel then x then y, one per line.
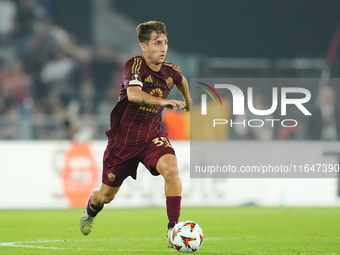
pixel 183 88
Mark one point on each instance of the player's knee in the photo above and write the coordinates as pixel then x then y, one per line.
pixel 107 198
pixel 170 173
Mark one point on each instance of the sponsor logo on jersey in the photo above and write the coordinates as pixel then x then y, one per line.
pixel 156 92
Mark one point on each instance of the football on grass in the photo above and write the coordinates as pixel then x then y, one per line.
pixel 187 236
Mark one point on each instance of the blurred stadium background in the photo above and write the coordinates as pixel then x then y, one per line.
pixel 60 69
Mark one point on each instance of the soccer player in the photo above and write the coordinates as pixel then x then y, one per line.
pixel 136 135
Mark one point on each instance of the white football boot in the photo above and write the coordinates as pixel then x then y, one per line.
pixel 168 238
pixel 86 223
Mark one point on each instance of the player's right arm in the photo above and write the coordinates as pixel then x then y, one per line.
pixel 135 94
pixel 133 83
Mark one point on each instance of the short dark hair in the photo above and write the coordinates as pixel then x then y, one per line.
pixel 145 29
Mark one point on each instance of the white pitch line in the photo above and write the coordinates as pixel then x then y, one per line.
pixel 35 247
pixel 21 244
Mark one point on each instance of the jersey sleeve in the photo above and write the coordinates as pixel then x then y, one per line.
pixel 176 72
pixel 133 75
pixel 177 75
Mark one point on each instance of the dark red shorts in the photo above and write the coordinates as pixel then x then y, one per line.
pixel 121 160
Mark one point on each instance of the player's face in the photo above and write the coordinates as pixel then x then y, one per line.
pixel 155 50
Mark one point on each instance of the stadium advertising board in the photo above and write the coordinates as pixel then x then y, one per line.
pixel 38 179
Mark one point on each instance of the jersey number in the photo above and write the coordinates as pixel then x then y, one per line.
pixel 161 142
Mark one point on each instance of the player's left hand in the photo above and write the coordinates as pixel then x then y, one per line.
pixel 187 106
pixel 172 104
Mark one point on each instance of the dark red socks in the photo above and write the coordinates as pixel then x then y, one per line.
pixel 92 210
pixel 173 209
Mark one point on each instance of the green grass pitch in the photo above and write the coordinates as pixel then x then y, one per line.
pixel 227 230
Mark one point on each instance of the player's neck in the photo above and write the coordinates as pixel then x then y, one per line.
pixel 152 66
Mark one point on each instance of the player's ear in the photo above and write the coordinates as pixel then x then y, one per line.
pixel 143 46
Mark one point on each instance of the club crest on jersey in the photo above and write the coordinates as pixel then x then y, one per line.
pixel 169 82
pixel 111 177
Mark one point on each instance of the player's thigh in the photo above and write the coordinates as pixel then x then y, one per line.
pixel 167 166
pixel 119 162
pixel 157 149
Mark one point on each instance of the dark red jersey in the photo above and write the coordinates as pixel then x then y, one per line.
pixel 132 123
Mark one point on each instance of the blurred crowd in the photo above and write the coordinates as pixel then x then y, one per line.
pixel 51 84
